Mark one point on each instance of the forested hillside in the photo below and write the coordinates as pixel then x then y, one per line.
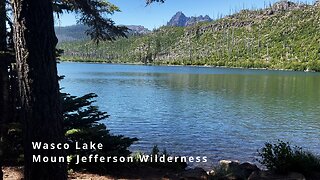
pixel 285 35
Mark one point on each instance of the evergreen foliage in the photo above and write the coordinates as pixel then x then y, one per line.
pixel 283 158
pixel 82 123
pixel 92 13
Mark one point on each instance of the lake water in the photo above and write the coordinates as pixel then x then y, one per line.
pixel 196 111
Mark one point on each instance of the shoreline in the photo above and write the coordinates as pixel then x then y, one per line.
pixel 226 169
pixel 171 65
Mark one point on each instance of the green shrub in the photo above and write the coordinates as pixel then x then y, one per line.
pixel 282 158
pixel 276 156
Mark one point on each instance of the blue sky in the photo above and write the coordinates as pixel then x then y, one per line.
pixel 134 12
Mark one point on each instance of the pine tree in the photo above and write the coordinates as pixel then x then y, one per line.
pixel 35 44
pixel 82 124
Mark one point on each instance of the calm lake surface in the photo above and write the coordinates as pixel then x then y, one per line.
pixel 220 113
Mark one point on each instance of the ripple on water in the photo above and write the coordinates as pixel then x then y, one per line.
pixel 219 113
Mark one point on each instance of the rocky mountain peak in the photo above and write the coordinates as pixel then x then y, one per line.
pixel 180 13
pixel 181 20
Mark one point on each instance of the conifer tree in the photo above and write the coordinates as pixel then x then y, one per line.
pixel 82 124
pixel 35 54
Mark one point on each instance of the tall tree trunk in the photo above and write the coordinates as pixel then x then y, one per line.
pixel 3 29
pixel 4 100
pixel 3 79
pixel 35 43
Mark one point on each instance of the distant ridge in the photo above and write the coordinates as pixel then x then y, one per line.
pixel 181 20
pixel 78 32
pixel 71 33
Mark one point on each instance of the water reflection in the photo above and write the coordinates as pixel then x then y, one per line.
pixel 220 113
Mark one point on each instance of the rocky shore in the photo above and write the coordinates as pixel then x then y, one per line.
pixel 225 170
